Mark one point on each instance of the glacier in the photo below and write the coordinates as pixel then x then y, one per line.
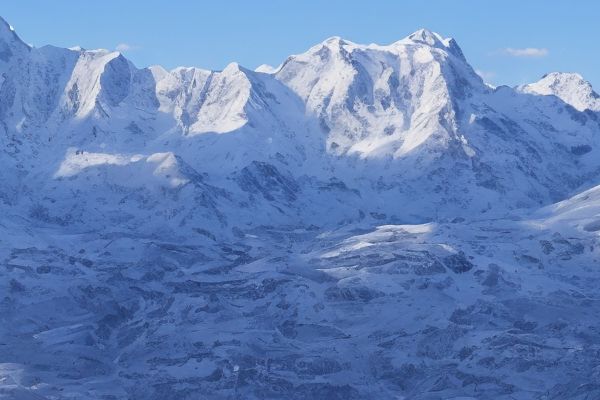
pixel 361 221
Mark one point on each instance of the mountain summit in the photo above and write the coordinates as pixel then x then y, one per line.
pixel 569 87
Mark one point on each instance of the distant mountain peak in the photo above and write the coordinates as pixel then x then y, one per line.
pixel 232 67
pixel 266 69
pixel 426 36
pixel 570 87
pixel 334 40
pixel 435 40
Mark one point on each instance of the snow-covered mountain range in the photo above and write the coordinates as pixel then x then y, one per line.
pixel 362 221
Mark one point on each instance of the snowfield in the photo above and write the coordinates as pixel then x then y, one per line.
pixel 359 222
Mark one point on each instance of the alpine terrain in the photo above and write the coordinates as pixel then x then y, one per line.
pixel 360 222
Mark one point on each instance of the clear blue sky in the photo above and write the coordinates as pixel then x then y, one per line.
pixel 560 35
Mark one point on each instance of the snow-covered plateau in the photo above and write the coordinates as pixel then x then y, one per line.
pixel 360 222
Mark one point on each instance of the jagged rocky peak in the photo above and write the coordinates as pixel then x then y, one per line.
pixel 571 88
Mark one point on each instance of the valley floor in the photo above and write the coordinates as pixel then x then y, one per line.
pixel 490 309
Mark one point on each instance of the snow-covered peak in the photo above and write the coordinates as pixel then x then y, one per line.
pixel 427 37
pixel 432 39
pixel 569 87
pixel 232 68
pixel 336 42
pixel 381 100
pixel 213 101
pixel 99 76
pixel 266 69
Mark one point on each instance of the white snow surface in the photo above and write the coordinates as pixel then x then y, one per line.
pixel 362 221
pixel 569 87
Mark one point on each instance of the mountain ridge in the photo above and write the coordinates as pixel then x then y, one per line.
pixel 413 106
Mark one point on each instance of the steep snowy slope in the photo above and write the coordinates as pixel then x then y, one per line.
pixel 578 214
